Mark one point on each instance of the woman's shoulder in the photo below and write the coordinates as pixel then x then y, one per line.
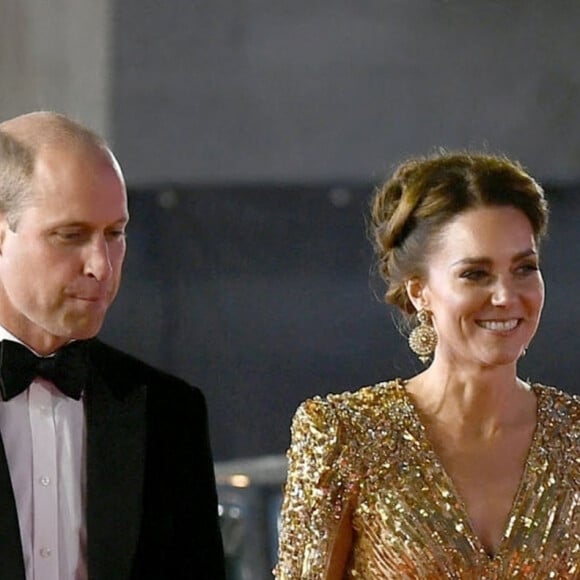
pixel 352 424
pixel 559 426
pixel 559 411
pixel 358 397
pixel 554 398
pixel 368 403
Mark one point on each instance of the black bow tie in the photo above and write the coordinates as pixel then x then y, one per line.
pixel 67 369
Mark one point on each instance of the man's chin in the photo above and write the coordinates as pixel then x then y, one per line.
pixel 83 331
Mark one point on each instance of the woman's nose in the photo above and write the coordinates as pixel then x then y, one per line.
pixel 503 292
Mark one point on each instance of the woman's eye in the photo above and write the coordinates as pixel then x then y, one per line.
pixel 528 268
pixel 474 275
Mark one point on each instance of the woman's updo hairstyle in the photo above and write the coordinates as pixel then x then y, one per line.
pixel 424 194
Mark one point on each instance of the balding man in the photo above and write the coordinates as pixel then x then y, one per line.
pixel 105 466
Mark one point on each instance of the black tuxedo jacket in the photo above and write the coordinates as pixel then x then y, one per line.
pixel 151 496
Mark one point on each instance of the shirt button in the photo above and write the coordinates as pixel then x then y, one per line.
pixel 44 410
pixel 45 552
pixel 44 480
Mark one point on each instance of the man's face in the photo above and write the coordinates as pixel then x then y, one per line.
pixel 60 269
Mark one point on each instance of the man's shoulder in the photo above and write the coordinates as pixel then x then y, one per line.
pixel 118 366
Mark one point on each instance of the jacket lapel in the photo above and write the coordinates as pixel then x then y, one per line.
pixel 11 559
pixel 116 418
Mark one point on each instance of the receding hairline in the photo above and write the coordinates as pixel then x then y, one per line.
pixel 41 129
pixel 44 131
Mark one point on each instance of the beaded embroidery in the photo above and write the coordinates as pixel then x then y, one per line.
pixel 368 452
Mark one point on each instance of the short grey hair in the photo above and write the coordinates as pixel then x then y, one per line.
pixel 16 169
pixel 21 139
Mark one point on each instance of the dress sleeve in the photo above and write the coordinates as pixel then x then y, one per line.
pixel 318 490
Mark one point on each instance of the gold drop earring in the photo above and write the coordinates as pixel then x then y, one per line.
pixel 423 338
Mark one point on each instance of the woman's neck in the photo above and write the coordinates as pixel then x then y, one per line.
pixel 478 401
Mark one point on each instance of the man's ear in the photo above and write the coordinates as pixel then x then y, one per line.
pixel 416 291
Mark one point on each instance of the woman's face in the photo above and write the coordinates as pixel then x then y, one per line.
pixel 484 287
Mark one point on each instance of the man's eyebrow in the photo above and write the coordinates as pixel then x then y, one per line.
pixel 83 224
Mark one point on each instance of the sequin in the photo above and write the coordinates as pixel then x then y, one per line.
pixel 365 455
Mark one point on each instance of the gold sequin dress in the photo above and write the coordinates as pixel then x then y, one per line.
pixel 366 454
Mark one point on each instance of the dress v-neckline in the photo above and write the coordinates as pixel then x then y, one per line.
pixel 461 508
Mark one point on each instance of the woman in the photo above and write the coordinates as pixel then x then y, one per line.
pixel 463 470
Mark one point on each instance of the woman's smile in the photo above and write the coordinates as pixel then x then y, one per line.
pixel 499 325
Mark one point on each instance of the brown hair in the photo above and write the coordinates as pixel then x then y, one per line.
pixel 425 193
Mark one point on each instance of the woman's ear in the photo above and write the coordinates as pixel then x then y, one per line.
pixel 416 292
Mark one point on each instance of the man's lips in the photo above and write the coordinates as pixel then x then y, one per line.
pixel 94 298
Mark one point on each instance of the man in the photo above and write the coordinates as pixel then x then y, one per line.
pixel 114 479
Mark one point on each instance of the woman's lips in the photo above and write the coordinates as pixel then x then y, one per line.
pixel 499 325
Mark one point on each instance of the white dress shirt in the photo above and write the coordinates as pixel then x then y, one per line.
pixel 43 432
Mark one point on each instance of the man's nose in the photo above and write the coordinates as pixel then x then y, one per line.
pixel 98 261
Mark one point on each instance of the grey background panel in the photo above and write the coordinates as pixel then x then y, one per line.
pixel 253 91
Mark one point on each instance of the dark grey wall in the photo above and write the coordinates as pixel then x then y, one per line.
pixel 253 90
pixel 260 294
pixel 262 298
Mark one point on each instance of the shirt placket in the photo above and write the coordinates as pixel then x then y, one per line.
pixel 44 483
